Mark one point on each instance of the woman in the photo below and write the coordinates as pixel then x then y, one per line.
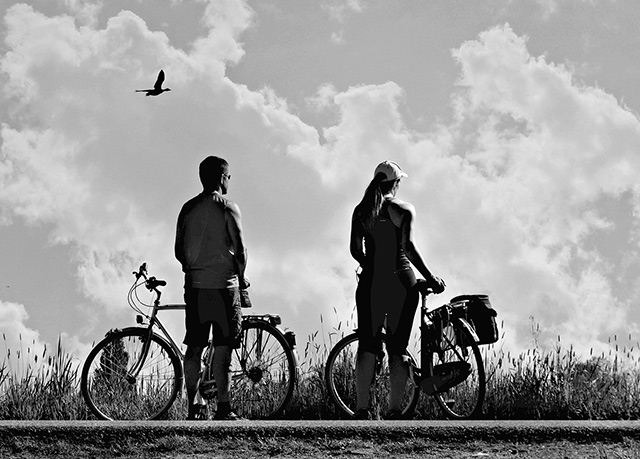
pixel 383 243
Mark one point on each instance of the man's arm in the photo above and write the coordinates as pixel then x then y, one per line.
pixel 179 244
pixel 234 227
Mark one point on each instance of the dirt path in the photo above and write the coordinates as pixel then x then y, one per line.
pixel 320 439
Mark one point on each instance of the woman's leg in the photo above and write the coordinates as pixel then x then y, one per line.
pixel 365 367
pixel 367 344
pixel 399 373
pixel 400 322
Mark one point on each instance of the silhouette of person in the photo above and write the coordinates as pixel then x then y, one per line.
pixel 210 246
pixel 383 243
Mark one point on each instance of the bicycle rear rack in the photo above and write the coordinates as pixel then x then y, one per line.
pixel 274 320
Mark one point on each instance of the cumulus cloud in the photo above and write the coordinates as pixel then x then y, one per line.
pixel 508 191
pixel 107 168
pixel 21 345
pixel 543 149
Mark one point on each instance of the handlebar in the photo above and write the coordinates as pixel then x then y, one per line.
pixel 424 288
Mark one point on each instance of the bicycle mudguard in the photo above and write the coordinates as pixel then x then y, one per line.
pixel 157 335
pixel 465 324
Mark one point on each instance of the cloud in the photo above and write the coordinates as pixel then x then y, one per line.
pixel 108 169
pixel 23 351
pixel 21 345
pixel 543 150
pixel 338 9
pixel 85 10
pixel 369 127
pixel 508 191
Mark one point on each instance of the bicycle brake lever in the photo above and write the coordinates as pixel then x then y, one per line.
pixel 141 271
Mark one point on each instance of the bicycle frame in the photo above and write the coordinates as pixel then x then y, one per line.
pixel 154 321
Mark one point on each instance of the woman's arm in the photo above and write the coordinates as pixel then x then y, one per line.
pixel 404 214
pixel 356 245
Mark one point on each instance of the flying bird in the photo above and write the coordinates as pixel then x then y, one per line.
pixel 157 88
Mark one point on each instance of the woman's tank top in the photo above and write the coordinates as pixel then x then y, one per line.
pixel 385 243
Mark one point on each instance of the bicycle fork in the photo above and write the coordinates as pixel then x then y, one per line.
pixel 132 374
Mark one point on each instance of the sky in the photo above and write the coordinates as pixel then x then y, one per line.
pixel 517 123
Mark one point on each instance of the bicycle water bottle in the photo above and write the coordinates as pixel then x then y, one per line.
pixel 428 327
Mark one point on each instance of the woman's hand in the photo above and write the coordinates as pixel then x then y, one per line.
pixel 438 285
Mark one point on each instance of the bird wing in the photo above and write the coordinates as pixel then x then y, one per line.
pixel 159 81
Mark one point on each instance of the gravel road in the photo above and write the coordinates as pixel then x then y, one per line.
pixel 320 439
pixel 445 431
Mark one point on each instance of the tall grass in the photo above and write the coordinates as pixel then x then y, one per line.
pixel 536 384
pixel 557 384
pixel 40 386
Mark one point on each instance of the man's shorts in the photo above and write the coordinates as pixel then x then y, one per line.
pixel 217 308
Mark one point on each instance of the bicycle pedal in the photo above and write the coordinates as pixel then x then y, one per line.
pixel 208 390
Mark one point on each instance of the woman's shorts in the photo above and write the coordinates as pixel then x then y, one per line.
pixel 388 301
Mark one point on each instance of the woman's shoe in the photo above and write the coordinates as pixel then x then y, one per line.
pixel 362 415
pixel 395 415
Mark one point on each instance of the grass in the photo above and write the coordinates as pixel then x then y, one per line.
pixel 536 384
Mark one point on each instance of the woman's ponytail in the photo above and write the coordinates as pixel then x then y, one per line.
pixel 369 207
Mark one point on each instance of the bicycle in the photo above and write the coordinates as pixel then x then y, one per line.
pixel 137 373
pixel 451 368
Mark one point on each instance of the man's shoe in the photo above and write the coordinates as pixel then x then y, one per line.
pixel 226 415
pixel 197 412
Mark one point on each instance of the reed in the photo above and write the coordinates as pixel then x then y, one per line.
pixel 535 384
pixel 40 386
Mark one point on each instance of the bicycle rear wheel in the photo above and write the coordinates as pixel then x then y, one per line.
pixel 464 400
pixel 340 378
pixel 112 393
pixel 263 372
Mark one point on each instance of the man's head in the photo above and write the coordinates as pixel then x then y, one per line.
pixel 214 174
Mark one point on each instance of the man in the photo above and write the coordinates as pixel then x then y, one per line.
pixel 210 247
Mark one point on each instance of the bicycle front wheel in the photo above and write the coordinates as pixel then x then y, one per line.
pixel 110 389
pixel 464 400
pixel 340 378
pixel 263 372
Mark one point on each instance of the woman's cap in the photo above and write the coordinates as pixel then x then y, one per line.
pixel 391 170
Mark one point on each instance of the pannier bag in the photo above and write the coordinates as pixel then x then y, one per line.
pixel 480 314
